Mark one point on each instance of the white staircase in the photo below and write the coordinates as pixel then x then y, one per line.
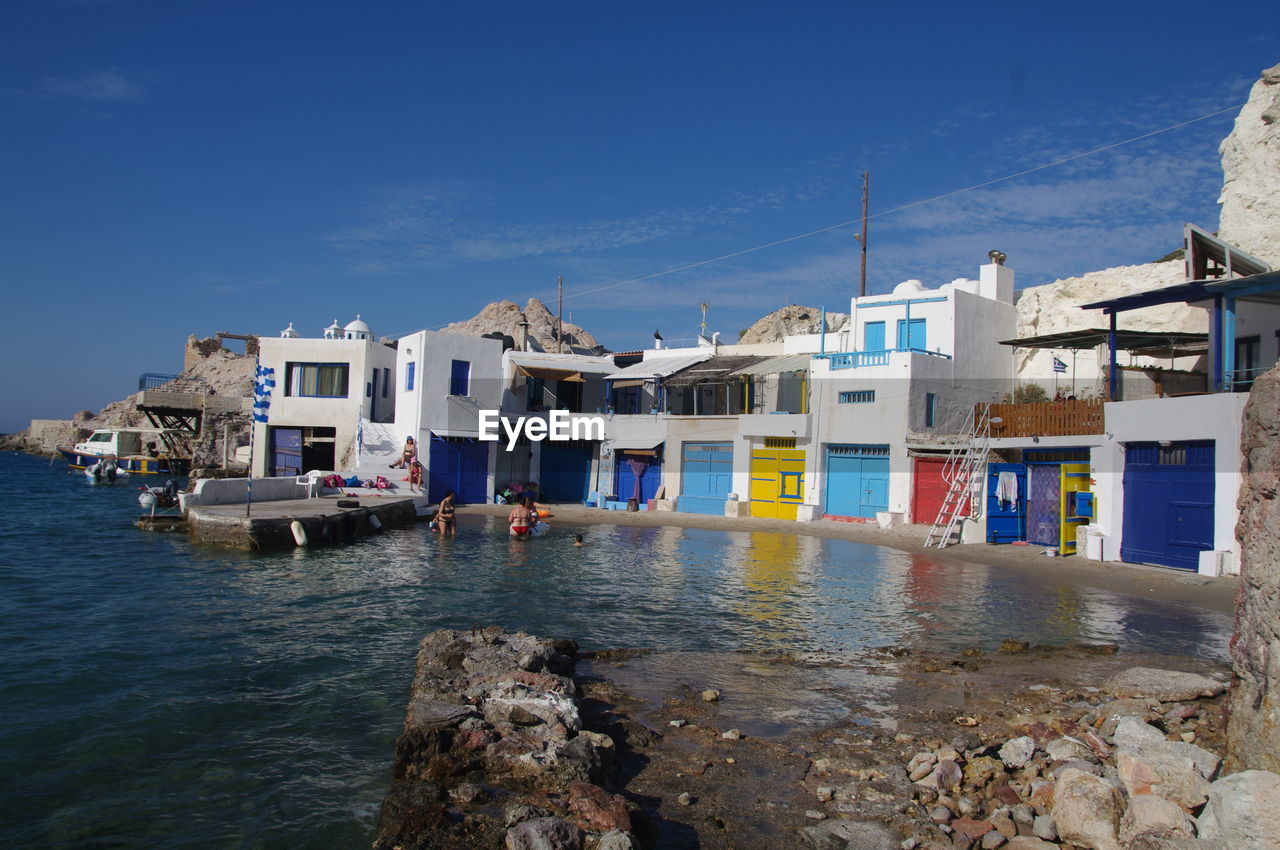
pixel 965 467
pixel 379 447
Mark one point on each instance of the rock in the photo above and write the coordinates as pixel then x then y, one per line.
pixel 1162 685
pixel 944 776
pixel 596 810
pixel 1091 767
pixel 731 735
pixel 616 840
pixel 684 799
pixel 1250 216
pixel 814 814
pixel 711 695
pixel 1045 827
pixel 1253 735
pixel 1164 775
pixel 504 317
pixel 1066 749
pixel 678 723
pixel 468 792
pixel 1003 823
pixel 939 814
pixel 1022 813
pixel 825 793
pixel 523 812
pixel 1243 811
pixel 1017 752
pixel 1151 814
pixel 1134 733
pixel 544 834
pixel 983 769
pixel 992 840
pixel 972 829
pixel 1086 811
pixel 790 320
pixel 851 834
pixel 1110 713
pixel 1013 646
pixel 966 741
pixel 1026 842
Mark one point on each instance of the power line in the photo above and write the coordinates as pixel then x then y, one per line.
pixel 910 205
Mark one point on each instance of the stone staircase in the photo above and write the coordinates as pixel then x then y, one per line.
pixel 380 446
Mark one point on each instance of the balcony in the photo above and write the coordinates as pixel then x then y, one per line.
pixel 859 359
pixel 1047 419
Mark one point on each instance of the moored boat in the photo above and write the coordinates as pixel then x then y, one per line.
pixel 137 451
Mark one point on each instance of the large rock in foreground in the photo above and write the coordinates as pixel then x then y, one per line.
pixel 493 722
pixel 1253 731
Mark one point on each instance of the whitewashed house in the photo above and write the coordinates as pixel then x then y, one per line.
pixel 325 387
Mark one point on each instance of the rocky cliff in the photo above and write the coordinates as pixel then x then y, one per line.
pixel 505 316
pixel 789 320
pixel 1253 733
pixel 1251 173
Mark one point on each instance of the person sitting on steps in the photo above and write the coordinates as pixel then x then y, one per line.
pixel 407 456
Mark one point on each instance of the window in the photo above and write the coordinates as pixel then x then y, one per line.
pixel 535 394
pixel 408 376
pixel 100 438
pixel 316 380
pixel 626 399
pixel 858 397
pixel 911 334
pixel 460 378
pixel 930 409
pixel 779 442
pixel 386 381
pixel 873 336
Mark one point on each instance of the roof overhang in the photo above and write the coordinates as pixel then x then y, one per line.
pixel 1155 343
pixel 549 374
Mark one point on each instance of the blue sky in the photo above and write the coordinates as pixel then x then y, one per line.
pixel 175 168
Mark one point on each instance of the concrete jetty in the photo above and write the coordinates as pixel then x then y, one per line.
pixel 324 519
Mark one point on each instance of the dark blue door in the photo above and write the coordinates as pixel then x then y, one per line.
pixel 625 479
pixel 1168 503
pixel 857 480
pixel 460 465
pixel 286 452
pixel 706 477
pixel 1007 504
pixel 566 472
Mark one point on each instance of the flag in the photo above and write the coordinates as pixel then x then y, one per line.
pixel 1059 365
pixel 264 381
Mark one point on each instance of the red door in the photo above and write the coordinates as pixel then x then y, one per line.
pixel 929 490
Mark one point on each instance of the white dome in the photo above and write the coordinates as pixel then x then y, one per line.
pixel 908 287
pixel 358 326
pixel 290 332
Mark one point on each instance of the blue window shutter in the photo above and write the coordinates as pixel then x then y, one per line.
pixel 460 378
pixel 873 336
pixel 408 376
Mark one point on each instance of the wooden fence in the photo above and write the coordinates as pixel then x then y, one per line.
pixel 1047 418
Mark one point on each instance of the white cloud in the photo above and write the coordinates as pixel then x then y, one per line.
pixel 99 86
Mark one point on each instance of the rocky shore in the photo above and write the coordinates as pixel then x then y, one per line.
pixel 522 742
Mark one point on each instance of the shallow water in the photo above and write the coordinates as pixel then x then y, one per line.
pixel 152 692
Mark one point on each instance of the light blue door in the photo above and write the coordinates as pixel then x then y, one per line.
pixel 706 476
pixel 873 336
pixel 857 480
pixel 911 334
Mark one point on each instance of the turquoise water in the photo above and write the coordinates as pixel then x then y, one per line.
pixel 153 693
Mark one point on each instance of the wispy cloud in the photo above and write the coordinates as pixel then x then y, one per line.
pixel 100 86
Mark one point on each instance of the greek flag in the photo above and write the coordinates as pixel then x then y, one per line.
pixel 264 381
pixel 1059 365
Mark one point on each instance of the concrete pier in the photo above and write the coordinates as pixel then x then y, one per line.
pixel 269 524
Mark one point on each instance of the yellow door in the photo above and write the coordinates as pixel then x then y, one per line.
pixel 777 479
pixel 1075 478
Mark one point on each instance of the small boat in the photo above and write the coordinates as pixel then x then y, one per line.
pixel 135 450
pixel 105 471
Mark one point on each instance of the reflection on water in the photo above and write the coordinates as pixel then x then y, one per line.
pixel 159 694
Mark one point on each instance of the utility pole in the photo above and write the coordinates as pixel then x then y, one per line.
pixel 862 238
pixel 560 315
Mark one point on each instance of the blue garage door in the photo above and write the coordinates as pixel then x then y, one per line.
pixel 460 464
pixel 624 476
pixel 1007 506
pixel 1168 503
pixel 566 470
pixel 706 477
pixel 857 480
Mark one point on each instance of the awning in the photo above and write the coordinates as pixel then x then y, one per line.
pixel 718 369
pixel 620 384
pixel 549 374
pixel 1156 343
pixel 777 365
pixel 639 444
pixel 657 367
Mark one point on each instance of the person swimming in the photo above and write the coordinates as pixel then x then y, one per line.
pixel 577 540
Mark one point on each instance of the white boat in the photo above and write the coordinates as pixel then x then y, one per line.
pixel 136 450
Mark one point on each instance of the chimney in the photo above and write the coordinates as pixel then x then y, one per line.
pixel 523 324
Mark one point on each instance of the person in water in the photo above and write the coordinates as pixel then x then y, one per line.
pixel 521 518
pixel 408 455
pixel 577 540
pixel 445 520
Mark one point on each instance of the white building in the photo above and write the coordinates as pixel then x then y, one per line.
pixel 910 367
pixel 325 387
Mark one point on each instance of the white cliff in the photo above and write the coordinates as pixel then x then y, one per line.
pixel 1250 199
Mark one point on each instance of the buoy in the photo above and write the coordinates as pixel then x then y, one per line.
pixel 375 522
pixel 299 533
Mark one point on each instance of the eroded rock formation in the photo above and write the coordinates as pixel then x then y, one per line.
pixel 504 317
pixel 792 319
pixel 1254 727
pixel 1251 173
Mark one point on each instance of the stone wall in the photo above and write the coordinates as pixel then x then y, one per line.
pixel 1254 729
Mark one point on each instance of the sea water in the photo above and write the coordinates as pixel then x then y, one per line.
pixel 155 693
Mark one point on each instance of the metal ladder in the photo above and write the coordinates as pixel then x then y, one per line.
pixel 964 465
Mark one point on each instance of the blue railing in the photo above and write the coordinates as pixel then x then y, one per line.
pixel 151 380
pixel 857 359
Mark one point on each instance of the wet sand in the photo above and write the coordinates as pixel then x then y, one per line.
pixel 1158 583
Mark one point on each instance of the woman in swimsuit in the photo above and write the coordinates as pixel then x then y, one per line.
pixel 408 455
pixel 445 523
pixel 521 519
